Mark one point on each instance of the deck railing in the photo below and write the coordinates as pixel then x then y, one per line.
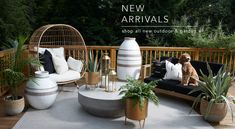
pixel 149 54
pixel 5 57
pixel 5 61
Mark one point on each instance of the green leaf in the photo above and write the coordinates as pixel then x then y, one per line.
pixel 195 102
pixel 229 105
pixel 13 76
pixel 213 89
pixel 139 90
pixel 210 104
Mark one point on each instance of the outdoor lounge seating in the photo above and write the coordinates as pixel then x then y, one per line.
pixel 173 87
pixel 157 53
pixel 64 41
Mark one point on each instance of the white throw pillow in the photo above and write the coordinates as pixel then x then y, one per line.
pixel 173 72
pixel 56 51
pixel 75 64
pixel 60 64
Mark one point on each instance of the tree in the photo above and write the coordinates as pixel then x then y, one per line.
pixel 99 21
pixel 13 20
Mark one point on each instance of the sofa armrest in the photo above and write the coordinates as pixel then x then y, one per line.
pixel 144 69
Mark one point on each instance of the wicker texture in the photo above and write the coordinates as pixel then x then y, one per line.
pixel 60 35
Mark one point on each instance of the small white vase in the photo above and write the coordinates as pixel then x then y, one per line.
pixel 41 91
pixel 129 59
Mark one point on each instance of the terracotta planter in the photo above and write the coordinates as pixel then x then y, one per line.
pixel 92 78
pixel 217 113
pixel 134 112
pixel 13 107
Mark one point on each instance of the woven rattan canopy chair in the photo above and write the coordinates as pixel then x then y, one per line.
pixel 60 35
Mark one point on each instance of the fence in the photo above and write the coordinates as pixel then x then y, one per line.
pixel 149 54
pixel 5 58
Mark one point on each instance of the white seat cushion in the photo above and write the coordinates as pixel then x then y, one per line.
pixel 66 76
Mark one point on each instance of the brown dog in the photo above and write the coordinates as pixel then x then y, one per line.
pixel 189 74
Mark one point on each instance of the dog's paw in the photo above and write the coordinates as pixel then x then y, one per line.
pixel 192 84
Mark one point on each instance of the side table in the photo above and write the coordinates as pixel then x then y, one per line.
pixel 100 103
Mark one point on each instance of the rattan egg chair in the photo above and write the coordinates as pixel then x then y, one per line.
pixel 60 35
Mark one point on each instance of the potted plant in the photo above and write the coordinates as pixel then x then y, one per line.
pixel 13 77
pixel 214 95
pixel 136 96
pixel 92 77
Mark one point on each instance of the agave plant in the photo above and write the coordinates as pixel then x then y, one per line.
pixel 214 89
pixel 93 63
pixel 13 76
pixel 139 91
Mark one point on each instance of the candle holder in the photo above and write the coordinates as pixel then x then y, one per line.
pixel 105 65
pixel 112 80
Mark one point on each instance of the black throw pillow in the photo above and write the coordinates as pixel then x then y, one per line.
pixel 202 66
pixel 158 69
pixel 47 62
pixel 173 60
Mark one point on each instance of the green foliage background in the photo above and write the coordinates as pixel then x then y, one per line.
pixel 99 21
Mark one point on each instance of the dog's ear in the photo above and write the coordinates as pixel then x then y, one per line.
pixel 181 59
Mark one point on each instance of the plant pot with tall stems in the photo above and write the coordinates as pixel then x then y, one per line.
pixel 92 74
pixel 13 77
pixel 213 99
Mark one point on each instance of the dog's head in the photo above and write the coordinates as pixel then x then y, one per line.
pixel 184 58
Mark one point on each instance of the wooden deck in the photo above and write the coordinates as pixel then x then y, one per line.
pixel 8 122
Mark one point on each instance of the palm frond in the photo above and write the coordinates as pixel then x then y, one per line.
pixel 13 76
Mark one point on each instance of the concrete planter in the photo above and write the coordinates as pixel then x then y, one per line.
pixel 217 113
pixel 41 91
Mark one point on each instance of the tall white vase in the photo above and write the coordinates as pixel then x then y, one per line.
pixel 129 59
pixel 41 91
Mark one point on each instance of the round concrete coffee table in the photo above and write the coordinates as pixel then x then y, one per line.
pixel 100 103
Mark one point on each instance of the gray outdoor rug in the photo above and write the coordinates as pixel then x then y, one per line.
pixel 66 113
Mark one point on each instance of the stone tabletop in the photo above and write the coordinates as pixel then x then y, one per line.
pixel 99 93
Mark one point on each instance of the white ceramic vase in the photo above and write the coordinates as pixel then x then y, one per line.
pixel 129 59
pixel 41 91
